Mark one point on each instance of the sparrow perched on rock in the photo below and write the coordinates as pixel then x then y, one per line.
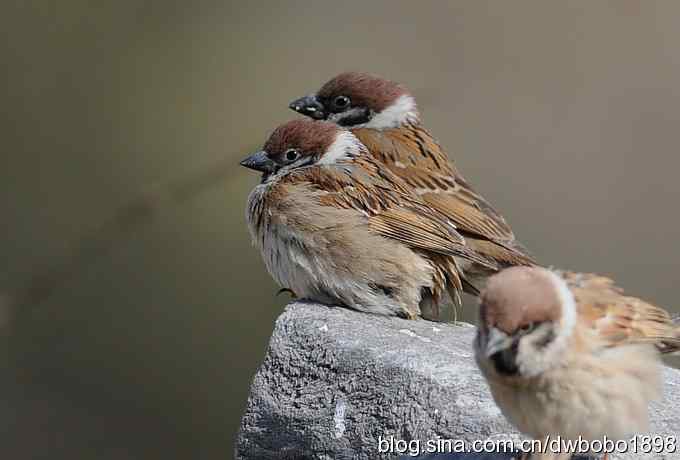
pixel 335 226
pixel 383 115
pixel 569 354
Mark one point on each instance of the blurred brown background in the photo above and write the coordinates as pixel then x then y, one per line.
pixel 566 115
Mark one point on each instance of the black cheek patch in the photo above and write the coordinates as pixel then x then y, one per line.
pixel 545 340
pixel 356 117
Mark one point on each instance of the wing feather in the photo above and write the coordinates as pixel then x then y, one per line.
pixel 619 319
pixel 412 154
pixel 391 210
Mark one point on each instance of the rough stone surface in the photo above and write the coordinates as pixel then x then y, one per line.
pixel 334 381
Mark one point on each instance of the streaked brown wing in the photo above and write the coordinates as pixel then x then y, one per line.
pixel 389 207
pixel 502 255
pixel 413 155
pixel 619 319
pixel 408 146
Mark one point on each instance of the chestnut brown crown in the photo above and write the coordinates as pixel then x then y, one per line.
pixel 299 143
pixel 309 137
pixel 363 90
pixel 520 297
pixel 354 98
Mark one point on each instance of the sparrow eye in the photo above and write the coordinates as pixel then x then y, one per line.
pixel 341 102
pixel 292 154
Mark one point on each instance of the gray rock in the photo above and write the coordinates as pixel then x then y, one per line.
pixel 334 383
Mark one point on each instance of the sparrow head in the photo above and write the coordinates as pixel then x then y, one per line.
pixel 301 143
pixel 527 315
pixel 360 100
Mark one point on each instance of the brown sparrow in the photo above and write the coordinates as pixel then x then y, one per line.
pixel 335 226
pixel 384 117
pixel 569 354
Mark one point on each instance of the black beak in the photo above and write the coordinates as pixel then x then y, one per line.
pixel 259 161
pixel 501 349
pixel 309 106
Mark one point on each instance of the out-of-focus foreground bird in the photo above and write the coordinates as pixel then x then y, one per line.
pixel 569 354
pixel 335 226
pixel 383 115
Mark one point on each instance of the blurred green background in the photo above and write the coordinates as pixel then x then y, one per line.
pixel 564 114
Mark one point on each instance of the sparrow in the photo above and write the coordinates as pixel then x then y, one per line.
pixel 569 354
pixel 384 116
pixel 335 226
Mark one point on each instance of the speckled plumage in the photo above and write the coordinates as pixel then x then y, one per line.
pixel 384 116
pixel 349 231
pixel 586 356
